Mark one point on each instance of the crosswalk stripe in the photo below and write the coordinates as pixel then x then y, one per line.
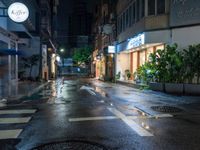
pixel 14 120
pixel 22 111
pixel 9 134
pixel 92 118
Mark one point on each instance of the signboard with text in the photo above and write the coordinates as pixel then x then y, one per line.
pixel 18 12
pixel 111 49
pixel 136 41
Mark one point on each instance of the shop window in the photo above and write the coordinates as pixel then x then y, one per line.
pixel 149 51
pixel 130 15
pixel 142 6
pixel 137 10
pixel 151 7
pixel 135 61
pixel 142 57
pixel 127 18
pixel 161 47
pixel 160 7
pixel 133 13
pixel 124 21
pixel 121 24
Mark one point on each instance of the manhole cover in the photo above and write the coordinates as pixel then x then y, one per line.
pixel 71 145
pixel 166 109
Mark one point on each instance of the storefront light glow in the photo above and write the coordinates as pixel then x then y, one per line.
pixel 58 58
pixel 136 41
pixel 111 49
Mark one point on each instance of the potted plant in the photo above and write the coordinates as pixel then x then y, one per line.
pixel 174 70
pixel 118 75
pixel 192 70
pixel 158 70
pixel 128 74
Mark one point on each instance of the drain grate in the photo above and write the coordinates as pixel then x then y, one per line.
pixel 71 145
pixel 166 109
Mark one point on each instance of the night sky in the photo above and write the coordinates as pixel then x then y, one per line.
pixel 64 10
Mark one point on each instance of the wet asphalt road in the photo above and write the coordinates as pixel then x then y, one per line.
pixel 76 110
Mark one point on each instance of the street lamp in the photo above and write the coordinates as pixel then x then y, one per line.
pixel 62 50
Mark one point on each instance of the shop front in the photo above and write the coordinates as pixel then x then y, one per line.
pixel 8 65
pixel 135 51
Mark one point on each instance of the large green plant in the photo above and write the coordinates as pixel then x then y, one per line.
pixel 164 66
pixel 174 64
pixel 192 63
pixel 146 73
pixel 82 55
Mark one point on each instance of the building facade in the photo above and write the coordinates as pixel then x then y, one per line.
pixel 14 37
pixel 80 21
pixel 104 30
pixel 144 26
pixel 48 34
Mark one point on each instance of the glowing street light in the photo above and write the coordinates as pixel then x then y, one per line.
pixel 62 50
pixel 58 58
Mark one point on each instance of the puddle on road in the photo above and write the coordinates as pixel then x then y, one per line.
pixel 100 91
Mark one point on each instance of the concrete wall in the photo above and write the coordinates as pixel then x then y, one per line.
pixel 186 36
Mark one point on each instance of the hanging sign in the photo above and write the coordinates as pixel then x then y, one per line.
pixel 18 12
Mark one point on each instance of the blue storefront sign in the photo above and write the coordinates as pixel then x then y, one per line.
pixel 131 43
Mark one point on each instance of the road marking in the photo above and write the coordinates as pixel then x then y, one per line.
pixel 115 117
pixel 22 111
pixel 139 130
pixel 163 116
pixel 91 92
pixel 92 118
pixel 14 120
pixel 89 89
pixel 86 87
pixel 9 134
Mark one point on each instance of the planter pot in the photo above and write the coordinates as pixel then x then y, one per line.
pixel 156 86
pixel 174 88
pixel 192 89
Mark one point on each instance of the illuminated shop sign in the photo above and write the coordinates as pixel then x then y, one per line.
pixel 111 49
pixel 136 41
pixel 18 12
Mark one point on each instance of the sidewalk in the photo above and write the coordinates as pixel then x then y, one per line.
pixel 18 90
pixel 144 99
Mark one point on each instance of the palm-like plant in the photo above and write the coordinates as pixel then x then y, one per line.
pixel 29 62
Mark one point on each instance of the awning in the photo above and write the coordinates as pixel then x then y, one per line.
pixel 4 52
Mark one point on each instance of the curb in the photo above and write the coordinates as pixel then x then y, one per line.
pixel 35 90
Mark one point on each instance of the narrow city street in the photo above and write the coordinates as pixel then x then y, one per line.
pixel 80 113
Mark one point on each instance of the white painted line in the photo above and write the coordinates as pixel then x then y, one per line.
pixel 136 117
pixel 89 89
pixel 91 92
pixel 14 120
pixel 92 118
pixel 9 134
pixel 163 116
pixel 139 130
pixel 86 88
pixel 22 111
